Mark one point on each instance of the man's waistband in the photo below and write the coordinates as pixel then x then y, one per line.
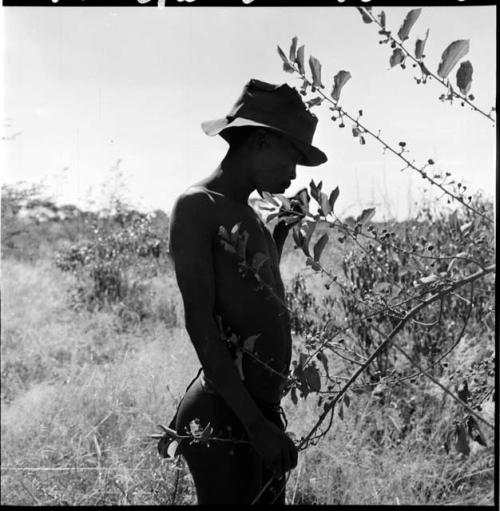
pixel 209 387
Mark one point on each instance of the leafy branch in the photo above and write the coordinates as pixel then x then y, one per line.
pixel 389 339
pixel 450 57
pixel 296 64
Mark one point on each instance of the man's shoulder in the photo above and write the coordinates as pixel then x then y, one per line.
pixel 193 198
pixel 194 204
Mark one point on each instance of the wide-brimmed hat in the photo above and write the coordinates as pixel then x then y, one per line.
pixel 277 107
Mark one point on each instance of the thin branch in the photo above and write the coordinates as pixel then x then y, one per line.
pixel 419 63
pixel 441 386
pixel 386 146
pixel 384 345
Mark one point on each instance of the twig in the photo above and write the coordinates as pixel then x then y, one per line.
pixel 442 387
pixel 390 337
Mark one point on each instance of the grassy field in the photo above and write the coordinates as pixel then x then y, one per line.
pixel 82 390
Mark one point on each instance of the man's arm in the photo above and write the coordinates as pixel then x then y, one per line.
pixel 191 231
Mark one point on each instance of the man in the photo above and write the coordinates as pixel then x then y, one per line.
pixel 269 132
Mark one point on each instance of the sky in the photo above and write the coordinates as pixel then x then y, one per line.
pixel 100 100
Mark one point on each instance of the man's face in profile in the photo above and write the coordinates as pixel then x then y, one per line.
pixel 275 161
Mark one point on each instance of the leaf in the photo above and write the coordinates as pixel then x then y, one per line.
pixel 268 197
pixel 333 197
pixel 309 228
pixel 299 60
pixel 302 358
pixel 315 66
pixel 285 202
pixel 339 80
pixel 315 190
pixel 271 216
pixel 303 88
pixel 172 449
pixel 242 244
pixel 325 204
pixel 464 77
pixel 207 432
pixel 298 237
pixel 397 57
pixel 293 395
pixel 411 17
pixel 195 428
pixel 234 233
pixel 223 233
pixel 314 102
pixel 319 247
pixel 381 18
pixel 291 219
pixel 453 53
pixel 228 247
pixel 341 411
pixel 286 64
pixel 347 400
pixel 293 49
pixel 258 260
pixel 313 264
pixel 474 431
pixel 424 69
pixel 461 441
pixel 312 377
pixel 303 197
pixel 365 216
pixel 323 359
pixel 420 46
pixel 463 391
pixel 364 15
pixel 249 342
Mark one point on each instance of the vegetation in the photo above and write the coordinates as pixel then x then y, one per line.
pixel 84 384
pixel 391 396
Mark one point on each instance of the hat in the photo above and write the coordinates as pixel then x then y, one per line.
pixel 277 107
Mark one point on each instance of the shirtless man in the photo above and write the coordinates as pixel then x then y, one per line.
pixel 269 132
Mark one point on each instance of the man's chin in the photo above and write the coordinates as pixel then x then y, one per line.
pixel 280 188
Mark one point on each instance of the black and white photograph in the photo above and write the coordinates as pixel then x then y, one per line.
pixel 248 254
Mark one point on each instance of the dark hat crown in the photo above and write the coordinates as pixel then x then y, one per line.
pixel 280 106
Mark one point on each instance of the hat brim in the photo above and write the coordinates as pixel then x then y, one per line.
pixel 311 155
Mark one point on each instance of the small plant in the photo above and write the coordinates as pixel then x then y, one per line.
pixel 111 267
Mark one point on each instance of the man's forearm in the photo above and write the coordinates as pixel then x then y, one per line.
pixel 220 369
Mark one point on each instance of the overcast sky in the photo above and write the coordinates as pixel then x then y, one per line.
pixel 86 88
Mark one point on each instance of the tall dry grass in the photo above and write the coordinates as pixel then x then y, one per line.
pixel 81 391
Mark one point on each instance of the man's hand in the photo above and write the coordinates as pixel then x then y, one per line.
pixel 275 446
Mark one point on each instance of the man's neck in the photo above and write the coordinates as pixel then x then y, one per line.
pixel 231 179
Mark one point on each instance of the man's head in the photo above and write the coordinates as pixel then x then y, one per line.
pixel 268 155
pixel 277 107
